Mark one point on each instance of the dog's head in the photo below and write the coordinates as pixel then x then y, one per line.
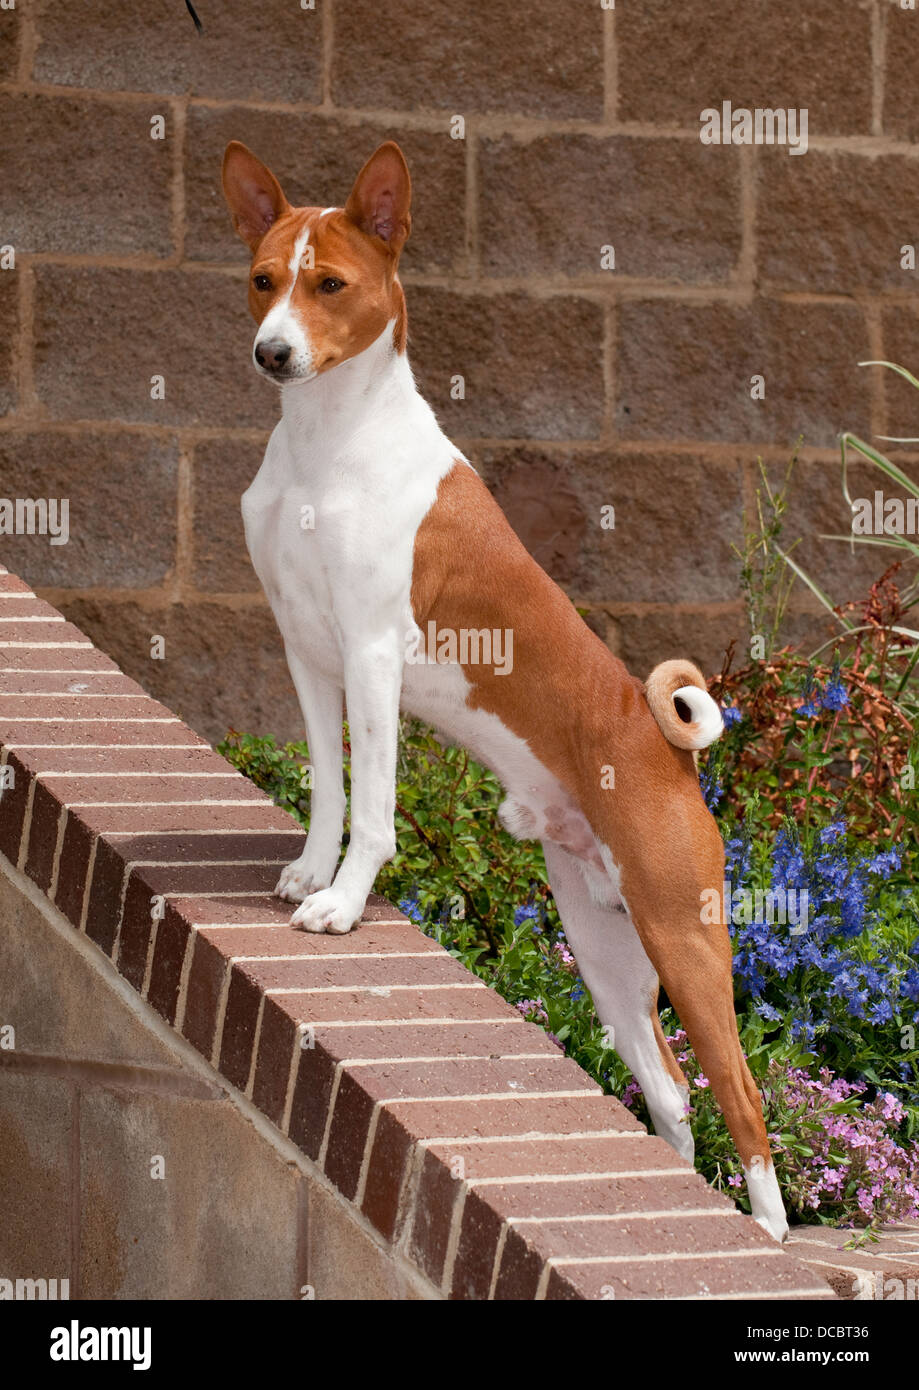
pixel 323 283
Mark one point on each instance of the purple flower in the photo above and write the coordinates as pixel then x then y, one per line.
pixel 854 1166
pixel 631 1093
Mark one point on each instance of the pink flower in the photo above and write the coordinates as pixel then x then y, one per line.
pixel 532 1009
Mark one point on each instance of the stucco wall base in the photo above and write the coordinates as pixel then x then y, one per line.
pixel 129 1167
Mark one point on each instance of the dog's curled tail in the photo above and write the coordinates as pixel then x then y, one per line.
pixel 687 714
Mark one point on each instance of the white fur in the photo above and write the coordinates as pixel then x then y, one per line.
pixel 360 451
pixel 623 985
pixel 705 713
pixel 766 1199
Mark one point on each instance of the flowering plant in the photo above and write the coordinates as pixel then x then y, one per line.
pixel 840 1158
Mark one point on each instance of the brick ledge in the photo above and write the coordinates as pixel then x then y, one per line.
pixel 470 1144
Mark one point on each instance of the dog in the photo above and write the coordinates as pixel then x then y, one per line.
pixel 374 538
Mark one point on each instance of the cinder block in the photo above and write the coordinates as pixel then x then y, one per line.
pixel 550 206
pixel 685 371
pixel 806 212
pixel 84 177
pixel 154 48
pixel 686 507
pixel 675 60
pixel 465 60
pixel 222 469
pixel 190 328
pixel 121 534
pixel 9 334
pixel 530 367
pixel 224 668
pixel 901 89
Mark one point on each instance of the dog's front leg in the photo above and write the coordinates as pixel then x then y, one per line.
pixel 322 703
pixel 373 679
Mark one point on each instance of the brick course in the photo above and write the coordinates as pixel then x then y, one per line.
pixel 581 130
pixel 458 1130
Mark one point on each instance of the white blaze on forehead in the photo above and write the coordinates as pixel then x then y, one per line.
pixel 282 322
pixel 300 246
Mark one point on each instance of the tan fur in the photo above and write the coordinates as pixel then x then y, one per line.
pixel 659 688
pixel 580 711
pixel 339 325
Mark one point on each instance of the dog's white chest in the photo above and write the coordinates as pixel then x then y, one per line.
pixel 293 561
pixel 331 519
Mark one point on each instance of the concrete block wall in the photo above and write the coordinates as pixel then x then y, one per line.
pixel 129 1169
pixel 197 1101
pixel 583 386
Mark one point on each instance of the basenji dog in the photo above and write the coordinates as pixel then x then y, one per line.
pixel 387 563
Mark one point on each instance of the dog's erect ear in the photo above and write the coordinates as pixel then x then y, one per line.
pixel 252 192
pixel 381 198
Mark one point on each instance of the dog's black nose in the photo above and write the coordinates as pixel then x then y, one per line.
pixel 272 354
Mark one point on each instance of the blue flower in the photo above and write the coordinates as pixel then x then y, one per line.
pixel 731 715
pixel 411 909
pixel 712 787
pixel 835 696
pixel 526 912
pixel 884 863
pixel 737 855
pixel 909 986
pixel 768 1012
pixel 788 865
pixel 817 979
pixel 803 1031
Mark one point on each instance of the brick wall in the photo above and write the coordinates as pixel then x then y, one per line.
pixel 356 1113
pixel 583 386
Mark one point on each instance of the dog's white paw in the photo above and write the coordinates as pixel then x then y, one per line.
pixel 765 1198
pixel 327 911
pixel 301 878
pixel 775 1226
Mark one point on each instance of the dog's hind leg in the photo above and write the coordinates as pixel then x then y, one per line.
pixel 664 886
pixel 623 984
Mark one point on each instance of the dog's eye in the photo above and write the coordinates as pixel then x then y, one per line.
pixel 331 285
pixel 261 282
